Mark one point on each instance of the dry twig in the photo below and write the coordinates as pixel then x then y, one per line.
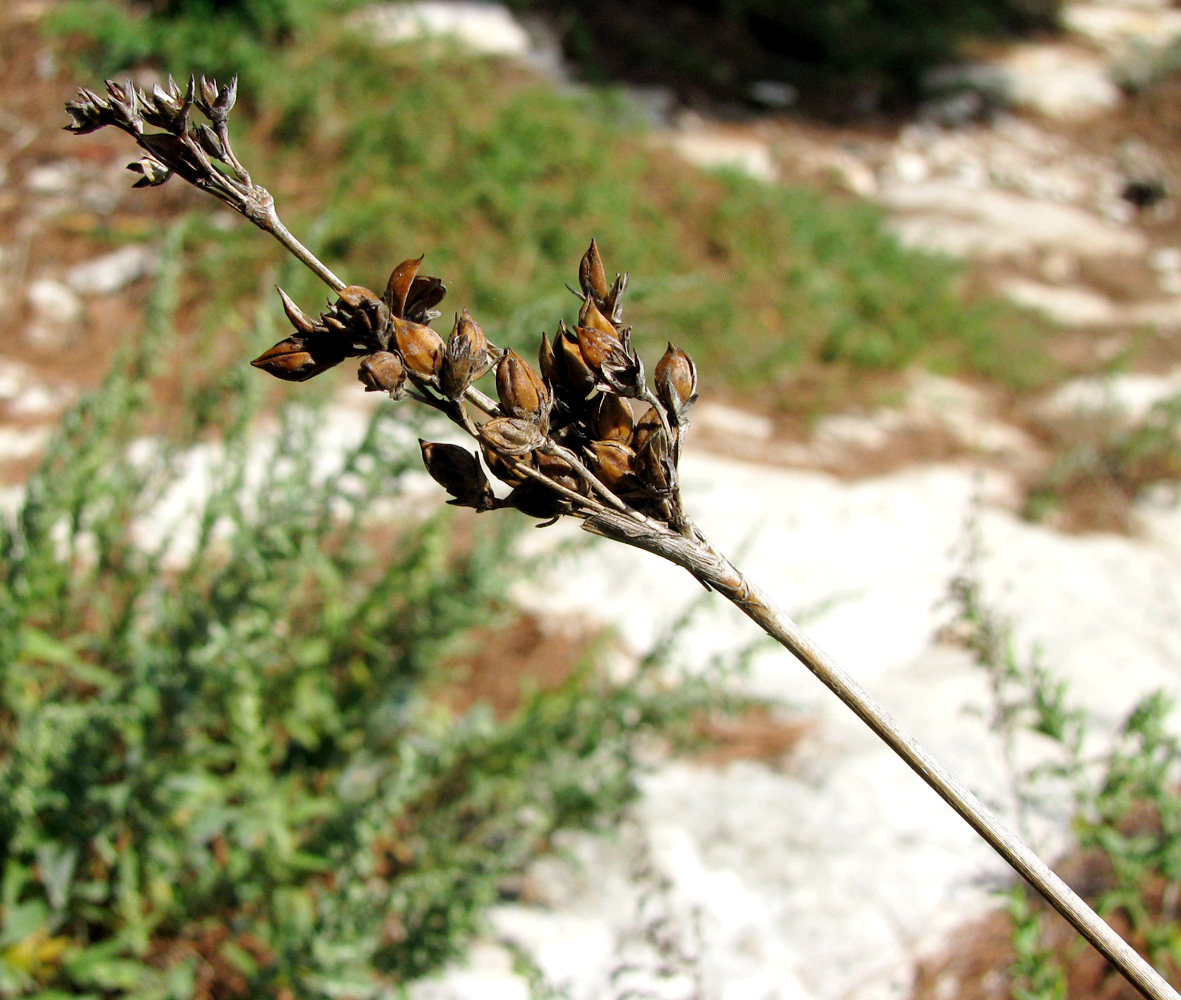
pixel 563 439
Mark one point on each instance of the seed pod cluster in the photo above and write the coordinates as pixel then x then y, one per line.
pixel 580 430
pixel 391 333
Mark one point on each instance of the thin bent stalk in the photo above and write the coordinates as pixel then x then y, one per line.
pixel 719 574
pixel 566 441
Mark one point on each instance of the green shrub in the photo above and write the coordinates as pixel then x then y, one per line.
pixel 221 775
pixel 503 180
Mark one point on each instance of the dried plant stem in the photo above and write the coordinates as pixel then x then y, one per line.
pixel 269 222
pixel 704 562
pixel 595 462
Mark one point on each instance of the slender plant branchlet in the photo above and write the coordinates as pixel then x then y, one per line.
pixel 586 434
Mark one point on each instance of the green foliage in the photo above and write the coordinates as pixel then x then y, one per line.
pixel 502 181
pixel 1127 816
pixel 220 774
pixel 1036 974
pixel 1106 462
pixel 217 38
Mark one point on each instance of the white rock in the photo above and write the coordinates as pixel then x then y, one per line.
pixel 943 216
pixel 486 971
pixel 1125 30
pixel 1059 81
pixel 482 27
pixel 714 147
pixel 1074 306
pixel 830 876
pixel 59 177
pixel 1128 396
pixel 54 302
pixel 107 274
pixel 18 443
pixel 773 93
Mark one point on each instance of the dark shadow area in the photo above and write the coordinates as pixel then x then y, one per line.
pixel 842 59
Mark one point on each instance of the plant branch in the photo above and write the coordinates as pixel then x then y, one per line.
pixel 567 440
pixel 719 574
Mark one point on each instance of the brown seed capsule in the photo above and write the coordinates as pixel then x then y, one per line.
pixel 591 275
pixel 458 471
pixel 576 379
pixel 299 319
pixel 398 287
pixel 521 390
pixel 648 424
pixel 361 317
pixel 612 360
pixel 614 465
pixel 421 348
pixel 510 436
pixel 676 382
pixel 537 500
pixel 383 371
pixel 559 470
pixel 597 347
pixel 468 357
pixel 654 464
pixel 611 419
pixel 589 315
pixel 298 359
pixel 502 468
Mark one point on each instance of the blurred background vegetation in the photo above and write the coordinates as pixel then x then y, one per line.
pixel 232 772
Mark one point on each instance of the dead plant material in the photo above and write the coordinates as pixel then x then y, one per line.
pixel 543 437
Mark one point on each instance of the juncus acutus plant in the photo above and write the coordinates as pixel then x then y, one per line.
pixel 586 432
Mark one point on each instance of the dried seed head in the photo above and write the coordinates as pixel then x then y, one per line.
pixel 502 468
pixel 559 470
pixel 612 360
pixel 154 173
pixel 299 358
pixel 383 371
pixel 589 315
pixel 361 317
pixel 611 419
pixel 421 348
pixel 412 296
pixel 676 382
pixel 215 102
pixel 521 390
pixel 398 287
pixel 467 358
pixel 88 113
pixel 591 275
pixel 537 500
pixel 598 348
pixel 572 378
pixel 458 471
pixel 614 464
pixel 648 424
pixel 654 464
pixel 299 319
pixel 510 436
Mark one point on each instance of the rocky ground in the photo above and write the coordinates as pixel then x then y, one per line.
pixel 814 867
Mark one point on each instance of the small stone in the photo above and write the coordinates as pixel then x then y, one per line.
pixel 773 94
pixel 53 302
pixel 59 177
pixel 482 27
pixel 107 274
